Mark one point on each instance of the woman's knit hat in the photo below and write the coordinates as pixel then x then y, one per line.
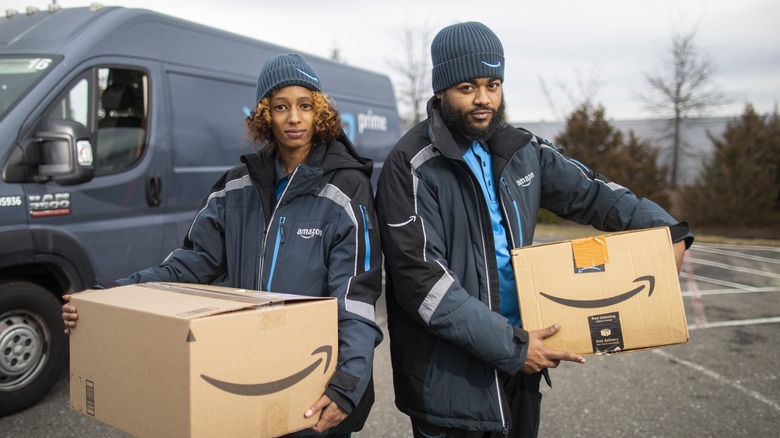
pixel 465 51
pixel 285 70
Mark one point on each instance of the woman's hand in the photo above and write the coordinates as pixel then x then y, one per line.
pixel 69 314
pixel 332 414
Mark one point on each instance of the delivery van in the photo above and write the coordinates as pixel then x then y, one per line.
pixel 114 124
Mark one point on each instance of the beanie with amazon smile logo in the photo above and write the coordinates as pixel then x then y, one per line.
pixel 463 52
pixel 285 70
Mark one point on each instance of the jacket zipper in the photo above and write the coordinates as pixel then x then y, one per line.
pixel 279 241
pixel 367 226
pixel 513 242
pixel 267 232
pixel 499 389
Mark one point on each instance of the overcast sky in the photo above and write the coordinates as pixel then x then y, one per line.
pixel 555 42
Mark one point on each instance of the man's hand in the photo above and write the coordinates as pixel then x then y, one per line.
pixel 540 357
pixel 332 414
pixel 679 254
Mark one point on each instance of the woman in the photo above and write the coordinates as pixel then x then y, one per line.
pixel 295 217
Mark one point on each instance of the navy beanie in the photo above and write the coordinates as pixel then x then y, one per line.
pixel 285 70
pixel 465 51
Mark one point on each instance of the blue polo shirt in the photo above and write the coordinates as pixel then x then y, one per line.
pixel 480 163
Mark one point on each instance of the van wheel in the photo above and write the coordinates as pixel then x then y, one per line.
pixel 33 346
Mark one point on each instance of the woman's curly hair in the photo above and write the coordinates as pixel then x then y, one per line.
pixel 327 122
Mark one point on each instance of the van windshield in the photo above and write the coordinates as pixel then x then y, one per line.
pixel 17 75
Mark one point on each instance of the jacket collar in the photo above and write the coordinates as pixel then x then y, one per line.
pixel 339 154
pixel 342 154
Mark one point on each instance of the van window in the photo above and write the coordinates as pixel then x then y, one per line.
pixel 208 121
pixel 121 119
pixel 74 105
pixel 117 114
pixel 17 75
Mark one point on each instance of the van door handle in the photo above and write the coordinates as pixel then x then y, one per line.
pixel 154 190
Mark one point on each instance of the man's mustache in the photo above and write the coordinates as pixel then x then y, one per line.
pixel 482 108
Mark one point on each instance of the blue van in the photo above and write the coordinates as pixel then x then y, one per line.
pixel 114 124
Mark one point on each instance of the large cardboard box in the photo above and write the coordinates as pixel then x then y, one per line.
pixel 609 293
pixel 181 360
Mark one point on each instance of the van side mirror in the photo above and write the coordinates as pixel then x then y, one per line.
pixel 66 152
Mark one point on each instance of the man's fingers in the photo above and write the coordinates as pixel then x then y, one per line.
pixel 551 359
pixel 558 356
pixel 540 356
pixel 679 254
pixel 549 331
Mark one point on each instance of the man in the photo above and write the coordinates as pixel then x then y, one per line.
pixel 457 192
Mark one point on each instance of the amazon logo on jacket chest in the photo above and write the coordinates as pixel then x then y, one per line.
pixel 609 293
pixel 308 233
pixel 525 181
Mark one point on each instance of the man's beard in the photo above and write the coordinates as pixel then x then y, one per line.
pixel 460 121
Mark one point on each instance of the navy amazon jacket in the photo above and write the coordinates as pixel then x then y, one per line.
pixel 451 349
pixel 319 239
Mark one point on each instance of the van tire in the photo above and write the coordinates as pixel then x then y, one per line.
pixel 33 345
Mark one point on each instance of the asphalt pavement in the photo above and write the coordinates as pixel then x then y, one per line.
pixel 725 382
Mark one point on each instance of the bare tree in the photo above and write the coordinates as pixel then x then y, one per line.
pixel 412 65
pixel 683 88
pixel 588 86
pixel 335 53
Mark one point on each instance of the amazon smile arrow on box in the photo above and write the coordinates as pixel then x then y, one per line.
pixel 181 360
pixel 609 293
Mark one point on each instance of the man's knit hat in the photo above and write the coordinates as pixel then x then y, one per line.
pixel 465 51
pixel 284 70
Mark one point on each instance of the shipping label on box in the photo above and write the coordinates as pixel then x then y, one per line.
pixel 609 293
pixel 181 360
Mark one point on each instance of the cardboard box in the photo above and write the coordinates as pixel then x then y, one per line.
pixel 609 293
pixel 181 360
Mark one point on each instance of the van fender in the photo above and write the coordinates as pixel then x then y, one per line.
pixel 53 251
